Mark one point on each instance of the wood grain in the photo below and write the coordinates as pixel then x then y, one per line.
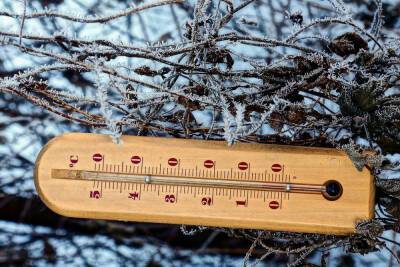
pixel 61 183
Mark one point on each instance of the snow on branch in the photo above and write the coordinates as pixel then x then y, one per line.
pixel 89 19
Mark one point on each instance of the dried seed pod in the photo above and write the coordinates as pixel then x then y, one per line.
pixel 217 55
pixel 186 102
pixel 392 206
pixel 278 75
pixel 131 97
pixel 146 71
pixel 304 64
pixel 347 44
pixel 296 115
pixel 276 120
pixel 389 186
pixel 296 18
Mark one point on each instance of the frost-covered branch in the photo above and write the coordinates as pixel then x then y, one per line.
pixel 312 73
pixel 88 19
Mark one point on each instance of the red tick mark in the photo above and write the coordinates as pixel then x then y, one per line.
pixel 243 165
pixel 136 159
pixel 276 167
pixel 208 163
pixel 274 204
pixel 172 162
pixel 97 157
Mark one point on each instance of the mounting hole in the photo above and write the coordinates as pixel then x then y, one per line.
pixel 333 190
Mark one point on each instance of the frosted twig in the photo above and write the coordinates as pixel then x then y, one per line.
pixel 97 19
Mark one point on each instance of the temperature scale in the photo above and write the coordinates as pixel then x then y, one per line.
pixel 195 182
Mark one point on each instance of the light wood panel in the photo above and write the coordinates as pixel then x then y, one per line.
pixel 207 183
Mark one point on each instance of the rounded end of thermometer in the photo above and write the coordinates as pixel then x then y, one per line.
pixel 333 190
pixel 37 173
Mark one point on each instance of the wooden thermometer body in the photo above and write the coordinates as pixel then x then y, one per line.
pixel 195 182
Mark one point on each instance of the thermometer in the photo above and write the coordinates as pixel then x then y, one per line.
pixel 197 182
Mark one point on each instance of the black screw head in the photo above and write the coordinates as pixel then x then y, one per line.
pixel 333 190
